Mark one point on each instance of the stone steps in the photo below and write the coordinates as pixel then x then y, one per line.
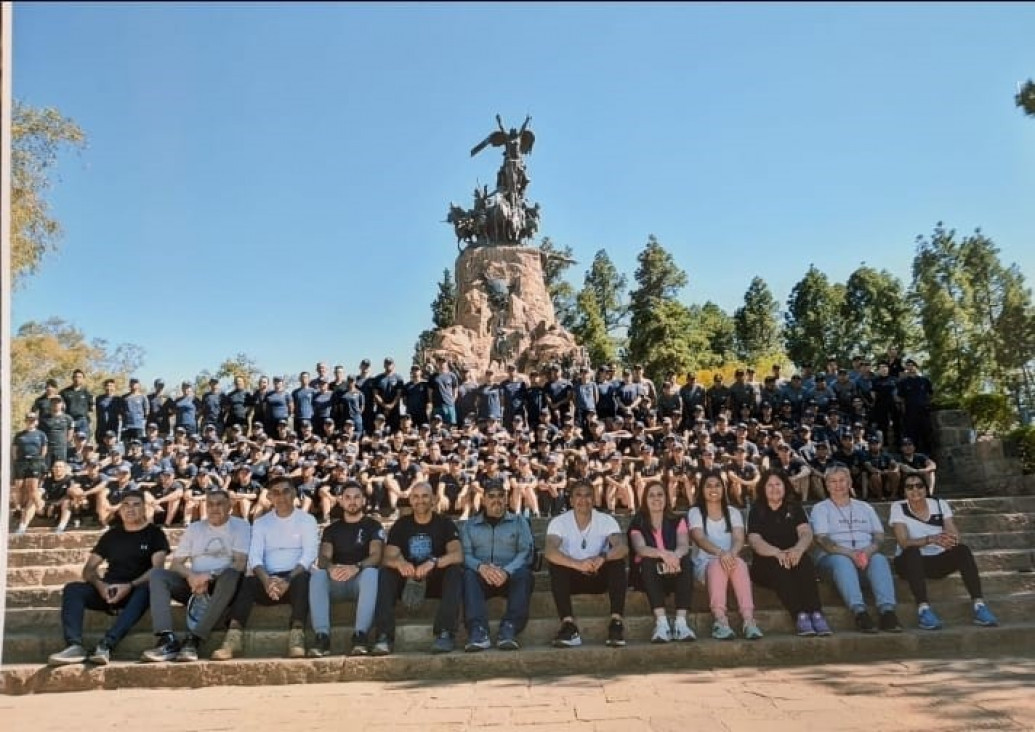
pixel 987 560
pixel 531 661
pixel 261 640
pixel 993 583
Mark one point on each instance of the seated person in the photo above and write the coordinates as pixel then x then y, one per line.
pixel 661 563
pixel 718 531
pixel 929 548
pixel 424 547
pixel 56 494
pixel 497 546
pixel 208 562
pixel 347 569
pixel 848 538
pixel 132 547
pixel 586 551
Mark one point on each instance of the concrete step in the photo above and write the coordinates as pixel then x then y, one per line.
pixel 993 583
pixel 1005 536
pixel 987 560
pixel 42 537
pixel 35 644
pixel 531 661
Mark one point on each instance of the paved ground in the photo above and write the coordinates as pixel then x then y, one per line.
pixel 944 695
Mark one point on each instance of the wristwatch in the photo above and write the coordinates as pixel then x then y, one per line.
pixel 434 561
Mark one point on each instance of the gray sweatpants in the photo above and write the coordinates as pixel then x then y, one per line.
pixel 167 586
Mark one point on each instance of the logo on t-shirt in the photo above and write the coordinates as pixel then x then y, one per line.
pixel 420 547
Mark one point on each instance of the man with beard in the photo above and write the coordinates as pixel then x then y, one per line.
pixel 350 554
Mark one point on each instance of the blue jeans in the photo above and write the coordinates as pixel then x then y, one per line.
pixel 78 597
pixel 517 588
pixel 323 590
pixel 848 580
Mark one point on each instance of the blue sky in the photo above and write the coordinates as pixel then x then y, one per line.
pixel 272 178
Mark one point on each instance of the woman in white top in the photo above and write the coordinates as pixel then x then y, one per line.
pixel 718 531
pixel 929 547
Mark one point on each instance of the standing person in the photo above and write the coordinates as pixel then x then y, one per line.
pixel 914 393
pixel 28 463
pixel 661 563
pixel 187 409
pixel 388 394
pixel 718 531
pixel 132 549
pixel 282 549
pixel 848 538
pixel 301 404
pixel 160 407
pixel 780 536
pixel 352 404
pixel 136 411
pixel 515 396
pixel 586 551
pixel 497 546
pixel 445 390
pixel 423 547
pixel 277 406
pixel 365 383
pixel 416 397
pixel 59 429
pixel 928 547
pixel 108 410
pixel 208 562
pixel 78 401
pixel 240 403
pixel 347 569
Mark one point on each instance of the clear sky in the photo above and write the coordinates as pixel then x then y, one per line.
pixel 273 178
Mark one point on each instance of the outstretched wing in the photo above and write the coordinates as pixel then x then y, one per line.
pixel 496 139
pixel 527 140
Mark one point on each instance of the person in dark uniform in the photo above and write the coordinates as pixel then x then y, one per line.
pixel 28 453
pixel 59 428
pixel 108 411
pixel 136 411
pixel 187 409
pixel 417 397
pixel 388 394
pixel 78 401
pixel 239 404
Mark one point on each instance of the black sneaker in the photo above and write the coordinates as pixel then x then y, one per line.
pixel 568 636
pixel 189 652
pixel 864 623
pixel 616 633
pixel 321 646
pixel 889 622
pixel 165 649
pixel 360 645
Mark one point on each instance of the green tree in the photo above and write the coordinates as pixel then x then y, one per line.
pixel 590 329
pixel 660 327
pixel 1025 98
pixel 813 330
pixel 714 335
pixel 52 349
pixel 975 312
pixel 443 315
pixel 757 323
pixel 876 312
pixel 556 262
pixel 608 287
pixel 37 138
pixel 240 364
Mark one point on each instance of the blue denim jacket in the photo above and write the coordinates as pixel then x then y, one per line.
pixel 507 545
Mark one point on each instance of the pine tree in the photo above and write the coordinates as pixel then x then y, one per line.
pixel 813 330
pixel 660 326
pixel 757 323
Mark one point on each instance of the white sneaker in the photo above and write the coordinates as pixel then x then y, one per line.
pixel 662 631
pixel 681 631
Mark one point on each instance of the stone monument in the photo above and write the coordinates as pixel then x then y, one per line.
pixel 503 310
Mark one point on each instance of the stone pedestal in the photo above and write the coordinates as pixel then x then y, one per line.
pixel 504 314
pixel 964 460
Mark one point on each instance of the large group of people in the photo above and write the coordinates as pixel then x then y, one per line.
pixel 285 493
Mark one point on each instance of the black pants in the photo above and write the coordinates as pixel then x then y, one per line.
pixel 658 586
pixel 252 592
pixel 916 569
pixel 447 584
pixel 565 582
pixel 796 587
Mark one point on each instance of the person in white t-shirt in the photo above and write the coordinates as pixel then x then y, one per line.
pixel 586 551
pixel 216 549
pixel 283 548
pixel 929 547
pixel 718 531
pixel 848 536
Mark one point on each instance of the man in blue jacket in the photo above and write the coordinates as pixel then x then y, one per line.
pixel 497 548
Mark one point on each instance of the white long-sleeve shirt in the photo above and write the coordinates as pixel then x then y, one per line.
pixel 278 544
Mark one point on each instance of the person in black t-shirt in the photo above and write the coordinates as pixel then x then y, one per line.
pixel 780 535
pixel 132 549
pixel 422 547
pixel 350 553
